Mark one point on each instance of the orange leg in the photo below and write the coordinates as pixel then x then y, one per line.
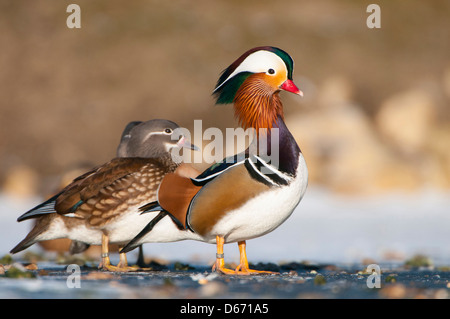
pixel 219 265
pixel 106 263
pixel 243 268
pixel 123 263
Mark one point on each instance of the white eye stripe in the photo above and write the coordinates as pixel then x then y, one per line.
pixel 258 62
pixel 154 133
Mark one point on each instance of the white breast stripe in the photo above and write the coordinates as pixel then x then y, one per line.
pixel 215 174
pixel 273 169
pixel 261 174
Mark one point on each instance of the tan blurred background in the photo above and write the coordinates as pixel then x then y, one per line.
pixel 376 111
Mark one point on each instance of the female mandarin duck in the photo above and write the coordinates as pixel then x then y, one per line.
pixel 123 150
pixel 100 207
pixel 234 201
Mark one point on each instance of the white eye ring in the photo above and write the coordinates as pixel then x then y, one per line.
pixel 271 71
pixel 168 131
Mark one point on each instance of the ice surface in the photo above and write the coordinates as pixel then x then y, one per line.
pixel 325 228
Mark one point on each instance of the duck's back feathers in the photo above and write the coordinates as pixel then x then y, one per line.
pixel 103 193
pixel 46 207
pixel 113 176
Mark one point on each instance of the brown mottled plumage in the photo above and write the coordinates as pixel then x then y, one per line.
pixel 102 206
pixel 107 190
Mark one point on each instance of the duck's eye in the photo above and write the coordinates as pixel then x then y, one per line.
pixel 168 131
pixel 271 71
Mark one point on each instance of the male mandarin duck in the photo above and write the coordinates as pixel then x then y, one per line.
pixel 246 197
pixel 101 206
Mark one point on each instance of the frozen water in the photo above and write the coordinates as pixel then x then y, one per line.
pixel 325 228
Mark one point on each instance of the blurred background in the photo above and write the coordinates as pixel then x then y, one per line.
pixel 374 123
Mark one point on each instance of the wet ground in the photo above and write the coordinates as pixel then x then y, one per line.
pixel 181 281
pixel 325 228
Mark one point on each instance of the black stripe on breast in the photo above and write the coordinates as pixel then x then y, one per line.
pixel 277 179
pixel 255 168
pixel 256 174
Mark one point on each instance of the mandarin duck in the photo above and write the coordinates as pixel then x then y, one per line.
pixel 245 196
pixel 123 150
pixel 100 207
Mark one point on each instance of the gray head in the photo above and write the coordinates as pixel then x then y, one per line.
pixel 125 138
pixel 154 138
